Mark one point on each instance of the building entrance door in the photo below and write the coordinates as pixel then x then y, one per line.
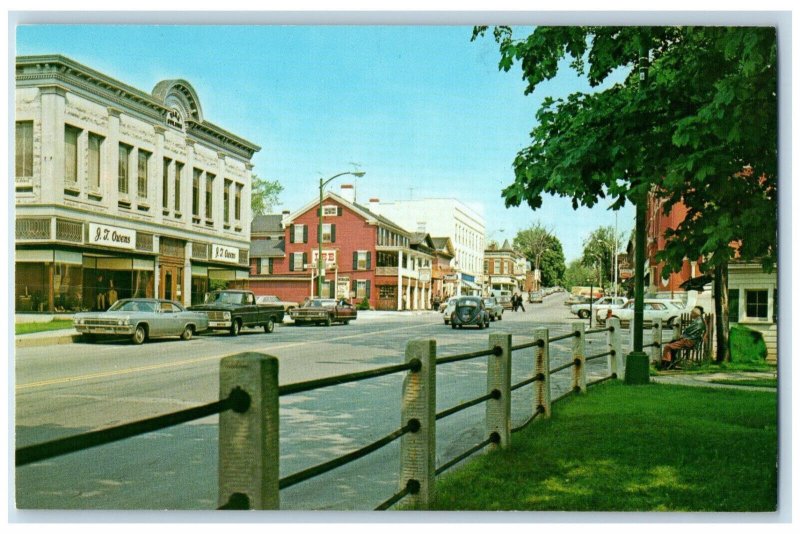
pixel 170 283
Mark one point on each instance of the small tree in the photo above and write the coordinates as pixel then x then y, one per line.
pixel 264 195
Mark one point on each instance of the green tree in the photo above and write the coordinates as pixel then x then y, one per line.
pixel 577 274
pixel 533 242
pixel 552 264
pixel 707 113
pixel 264 195
pixel 598 249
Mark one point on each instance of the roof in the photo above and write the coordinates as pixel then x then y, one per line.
pixel 358 208
pixel 268 223
pixel 507 246
pixel 443 245
pixel 267 248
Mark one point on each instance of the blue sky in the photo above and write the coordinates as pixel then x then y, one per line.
pixel 424 111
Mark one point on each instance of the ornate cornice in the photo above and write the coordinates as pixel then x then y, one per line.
pixel 60 71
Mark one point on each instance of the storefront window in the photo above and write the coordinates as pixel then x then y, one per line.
pixel 67 287
pixel 31 287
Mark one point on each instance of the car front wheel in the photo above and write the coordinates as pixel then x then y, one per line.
pixel 583 314
pixel 236 327
pixel 139 335
pixel 187 333
pixel 270 326
pixel 328 322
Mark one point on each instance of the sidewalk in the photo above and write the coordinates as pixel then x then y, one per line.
pixel 706 380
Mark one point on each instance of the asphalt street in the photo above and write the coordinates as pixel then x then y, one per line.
pixel 69 389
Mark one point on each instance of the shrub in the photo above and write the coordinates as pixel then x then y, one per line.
pixel 363 305
pixel 746 345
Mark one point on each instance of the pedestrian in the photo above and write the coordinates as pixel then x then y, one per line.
pixel 519 302
pixel 514 302
pixel 690 337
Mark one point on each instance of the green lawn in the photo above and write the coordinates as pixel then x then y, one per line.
pixel 631 448
pixel 31 328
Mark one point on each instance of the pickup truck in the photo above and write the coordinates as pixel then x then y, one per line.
pixel 234 309
pixel 324 311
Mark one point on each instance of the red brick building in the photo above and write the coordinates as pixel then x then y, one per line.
pixel 366 256
pixel 657 224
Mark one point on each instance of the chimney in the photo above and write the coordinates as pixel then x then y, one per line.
pixel 348 193
pixel 284 216
pixel 373 204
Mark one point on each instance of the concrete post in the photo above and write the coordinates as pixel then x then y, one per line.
pixel 579 357
pixel 658 336
pixel 248 442
pixel 615 361
pixel 541 399
pixel 418 449
pixel 498 377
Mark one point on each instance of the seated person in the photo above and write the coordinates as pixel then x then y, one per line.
pixel 690 337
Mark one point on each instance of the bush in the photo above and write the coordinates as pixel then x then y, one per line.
pixel 363 305
pixel 747 345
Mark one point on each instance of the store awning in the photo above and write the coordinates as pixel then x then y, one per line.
pixel 470 285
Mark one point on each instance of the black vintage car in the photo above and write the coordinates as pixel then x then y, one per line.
pixel 469 311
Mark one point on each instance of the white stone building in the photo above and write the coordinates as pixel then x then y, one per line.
pixel 445 217
pixel 122 193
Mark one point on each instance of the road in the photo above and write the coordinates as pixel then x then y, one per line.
pixel 67 390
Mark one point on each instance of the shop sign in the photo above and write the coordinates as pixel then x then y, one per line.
pixel 112 236
pixel 328 258
pixel 450 277
pixel 223 253
pixel 425 274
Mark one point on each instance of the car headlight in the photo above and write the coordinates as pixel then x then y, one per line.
pixel 226 315
pixel 78 321
pixel 121 322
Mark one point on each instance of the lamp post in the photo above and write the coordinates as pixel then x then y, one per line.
pixel 322 184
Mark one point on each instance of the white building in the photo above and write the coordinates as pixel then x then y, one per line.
pixel 445 217
pixel 122 193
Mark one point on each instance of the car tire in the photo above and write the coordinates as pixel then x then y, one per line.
pixel 269 326
pixel 671 322
pixel 487 324
pixel 583 314
pixel 187 333
pixel 346 322
pixel 328 322
pixel 139 335
pixel 500 317
pixel 453 326
pixel 236 327
pixel 481 325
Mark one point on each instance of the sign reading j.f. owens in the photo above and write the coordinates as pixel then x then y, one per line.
pixel 112 236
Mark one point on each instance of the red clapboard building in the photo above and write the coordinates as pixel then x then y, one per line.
pixel 365 256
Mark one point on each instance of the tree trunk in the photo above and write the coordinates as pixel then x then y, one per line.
pixel 721 312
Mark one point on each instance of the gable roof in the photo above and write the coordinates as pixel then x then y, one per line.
pixel 444 245
pixel 372 218
pixel 268 223
pixel 267 248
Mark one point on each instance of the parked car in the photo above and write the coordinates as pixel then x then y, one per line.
pixel 449 308
pixel 602 311
pixel 576 299
pixel 535 297
pixel 665 310
pixel 503 297
pixel 263 300
pixel 493 308
pixel 141 319
pixel 582 309
pixel 234 309
pixel 469 311
pixel 324 311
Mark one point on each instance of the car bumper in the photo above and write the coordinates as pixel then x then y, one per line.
pixel 219 325
pixel 118 330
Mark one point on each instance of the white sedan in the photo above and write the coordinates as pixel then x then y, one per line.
pixel 665 310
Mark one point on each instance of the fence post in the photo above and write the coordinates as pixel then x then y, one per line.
pixel 498 378
pixel 248 441
pixel 579 357
pixel 541 401
pixel 615 345
pixel 658 337
pixel 418 448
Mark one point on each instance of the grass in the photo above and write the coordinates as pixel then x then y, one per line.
pixel 631 448
pixel 757 382
pixel 746 345
pixel 32 328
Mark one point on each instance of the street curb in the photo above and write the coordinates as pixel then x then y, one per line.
pixel 25 342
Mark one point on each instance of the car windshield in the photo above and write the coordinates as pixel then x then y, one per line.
pixel 132 306
pixel 319 303
pixel 223 298
pixel 488 301
pixel 468 302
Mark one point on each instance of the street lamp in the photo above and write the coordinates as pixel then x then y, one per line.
pixel 322 184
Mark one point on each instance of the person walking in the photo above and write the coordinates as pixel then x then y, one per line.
pixel 519 302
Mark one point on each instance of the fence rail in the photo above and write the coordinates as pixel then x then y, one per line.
pixel 249 417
